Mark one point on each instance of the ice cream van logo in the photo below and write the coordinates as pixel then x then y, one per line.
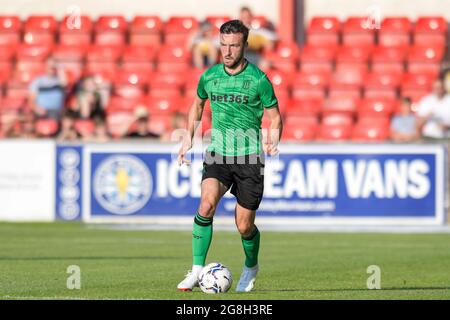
pixel 122 184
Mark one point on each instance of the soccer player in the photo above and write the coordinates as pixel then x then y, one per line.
pixel 239 93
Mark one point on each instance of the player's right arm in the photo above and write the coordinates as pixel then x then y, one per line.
pixel 194 118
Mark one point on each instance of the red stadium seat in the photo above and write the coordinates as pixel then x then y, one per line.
pixel 317 58
pixel 284 57
pixel 304 106
pixel 119 122
pixel 356 31
pixel 347 83
pixel 425 59
pixel 26 52
pixel 192 77
pixel 40 30
pixel 75 30
pixel 13 103
pixel 430 30
pixel 165 84
pixel 323 31
pixel 279 79
pixel 173 58
pixel 388 59
pixel 334 132
pixel 217 21
pixel 310 84
pixel 146 30
pixel 395 31
pixel 71 58
pixel 131 84
pixel 305 132
pixel 85 127
pixel 340 104
pixel 10 30
pixel 161 123
pixel 121 104
pixel 103 60
pixel 377 107
pixel 379 84
pixel 178 29
pixel 46 127
pixel 135 58
pixel 337 119
pixel 161 105
pixel 371 129
pixel 110 30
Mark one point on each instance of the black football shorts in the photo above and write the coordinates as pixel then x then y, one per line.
pixel 244 174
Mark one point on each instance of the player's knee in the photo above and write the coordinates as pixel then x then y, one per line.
pixel 207 209
pixel 245 228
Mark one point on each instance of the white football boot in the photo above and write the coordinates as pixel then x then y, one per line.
pixel 247 280
pixel 191 280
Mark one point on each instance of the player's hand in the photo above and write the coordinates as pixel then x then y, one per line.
pixel 270 149
pixel 185 147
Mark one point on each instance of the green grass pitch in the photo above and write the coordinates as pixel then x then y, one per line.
pixel 128 264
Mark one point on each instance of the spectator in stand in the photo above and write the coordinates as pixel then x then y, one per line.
pixel 434 113
pixel 204 45
pixel 47 92
pixel 67 130
pixel 142 129
pixel 260 39
pixel 404 123
pixel 179 122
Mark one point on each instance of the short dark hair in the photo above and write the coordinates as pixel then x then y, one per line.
pixel 406 100
pixel 235 26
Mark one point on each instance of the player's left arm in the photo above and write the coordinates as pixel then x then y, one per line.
pixel 275 130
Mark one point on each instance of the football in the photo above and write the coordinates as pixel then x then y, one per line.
pixel 215 278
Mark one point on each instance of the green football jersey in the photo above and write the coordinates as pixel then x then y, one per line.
pixel 237 107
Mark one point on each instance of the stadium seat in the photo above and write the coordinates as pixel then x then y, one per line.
pixel 284 57
pixel 299 128
pixel 304 106
pixel 334 132
pixel 71 58
pixel 102 60
pixel 110 30
pixel 10 30
pixel 161 105
pixel 310 84
pixel 377 107
pixel 394 32
pixel 139 58
pixel 40 30
pixel 424 59
pixel 382 84
pixel 173 58
pixel 191 79
pixel 337 119
pixel 356 32
pixel 75 30
pixel 323 31
pixel 371 130
pixel 119 104
pixel 430 30
pixel 118 122
pixel 217 21
pixel 85 127
pixel 161 123
pixel 317 58
pixel 32 53
pixel 46 127
pixel 178 29
pixel 146 31
pixel 346 105
pixel 13 103
pixel 131 84
pixel 388 59
pixel 165 84
pixel 280 79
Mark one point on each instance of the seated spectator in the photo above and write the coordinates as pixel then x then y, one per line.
pixel 67 130
pixel 142 121
pixel 204 46
pixel 434 113
pixel 47 92
pixel 87 103
pixel 259 39
pixel 404 123
pixel 179 122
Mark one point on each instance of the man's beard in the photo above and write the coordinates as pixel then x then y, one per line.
pixel 238 61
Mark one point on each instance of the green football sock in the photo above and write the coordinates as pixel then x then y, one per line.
pixel 251 248
pixel 201 239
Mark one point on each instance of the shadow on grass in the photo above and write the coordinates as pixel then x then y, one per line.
pixel 87 258
pixel 354 289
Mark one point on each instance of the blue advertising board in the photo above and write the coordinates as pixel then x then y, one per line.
pixel 374 183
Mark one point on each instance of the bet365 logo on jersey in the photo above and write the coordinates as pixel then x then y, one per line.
pixel 238 98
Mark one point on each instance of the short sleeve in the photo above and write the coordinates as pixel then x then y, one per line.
pixel 268 98
pixel 201 90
